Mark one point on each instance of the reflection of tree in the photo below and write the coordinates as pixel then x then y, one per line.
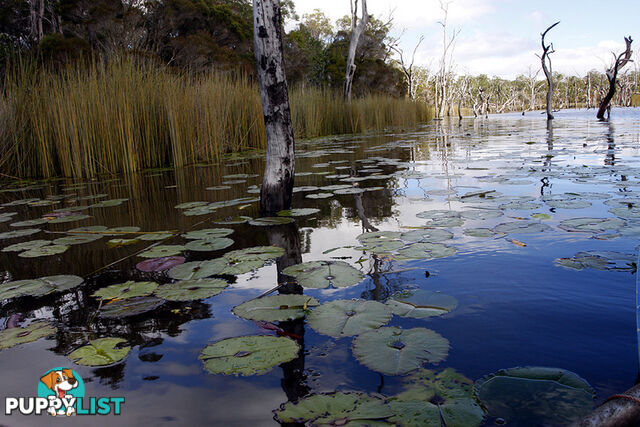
pixel 548 157
pixel 383 285
pixel 610 158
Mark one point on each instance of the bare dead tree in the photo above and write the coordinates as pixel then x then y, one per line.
pixel 277 184
pixel 546 51
pixel 357 29
pixel 407 69
pixel 532 81
pixel 463 90
pixel 447 50
pixel 612 74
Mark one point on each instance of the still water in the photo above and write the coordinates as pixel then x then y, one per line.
pixel 525 294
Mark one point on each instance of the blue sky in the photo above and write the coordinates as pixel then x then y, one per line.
pixel 501 37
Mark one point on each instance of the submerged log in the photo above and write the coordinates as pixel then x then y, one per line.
pixel 277 185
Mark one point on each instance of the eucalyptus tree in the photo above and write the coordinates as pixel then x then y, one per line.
pixel 612 74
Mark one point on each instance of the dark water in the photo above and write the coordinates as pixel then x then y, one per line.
pixel 516 307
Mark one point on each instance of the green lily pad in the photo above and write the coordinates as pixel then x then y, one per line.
pixel 568 204
pixel 535 396
pixel 324 274
pixel 298 212
pixel 396 351
pixel 429 235
pixel 130 307
pixel 481 214
pixel 203 269
pixel 19 233
pixel 91 228
pixel 520 205
pixel 100 352
pixel 155 236
pixel 419 303
pixel 256 253
pixel 626 212
pixel 77 239
pixel 162 251
pixel 592 225
pixel 438 214
pixel 12 337
pixel 25 246
pixel 600 260
pixel 445 222
pixel 319 196
pixel 219 187
pixel 276 308
pixel 191 205
pixel 201 210
pixel 69 218
pixel 38 287
pixel 380 241
pixel 126 290
pixel 343 318
pixel 108 203
pixel 269 221
pixel 234 220
pixel 189 290
pixel 426 251
pixel 208 233
pixel 121 230
pixel 479 232
pixel 44 251
pixel 541 216
pixel 118 243
pixel 30 223
pixel 352 190
pixel 252 355
pixel 338 408
pixel 209 244
pixel 521 227
pixel 431 399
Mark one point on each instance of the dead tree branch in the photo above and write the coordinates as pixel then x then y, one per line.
pixel 546 51
pixel 612 74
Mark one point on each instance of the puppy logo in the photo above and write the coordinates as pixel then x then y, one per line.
pixel 61 386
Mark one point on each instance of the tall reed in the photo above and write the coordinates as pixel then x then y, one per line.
pixel 127 115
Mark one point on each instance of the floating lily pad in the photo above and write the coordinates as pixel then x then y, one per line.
pixel 160 264
pixel 434 399
pixel 521 227
pixel 256 253
pixel 352 190
pixel 77 239
pixel 69 218
pixel 626 212
pixel 429 235
pixel 540 216
pixel 25 246
pixel 30 223
pixel 89 229
pixel 269 221
pixel 100 352
pixel 568 204
pixel 396 351
pixel 479 232
pixel 189 290
pixel 202 269
pixel 162 251
pixel 209 245
pixel 19 233
pixel 420 303
pixel 208 234
pixel 12 337
pixel 118 243
pixel 535 396
pixel 592 225
pixel 155 236
pixel 126 290
pixel 191 205
pixel 108 203
pixel 276 308
pixel 600 260
pixel 234 220
pixel 380 241
pixel 130 307
pixel 445 222
pixel 38 287
pixel 298 212
pixel 252 355
pixel 324 274
pixel 481 214
pixel 438 214
pixel 342 318
pixel 121 230
pixel 44 251
pixel 339 408
pixel 219 187
pixel 520 205
pixel 426 251
pixel 201 210
pixel 319 196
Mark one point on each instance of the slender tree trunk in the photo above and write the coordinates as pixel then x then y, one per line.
pixel 612 74
pixel 357 29
pixel 546 51
pixel 277 185
pixel 40 19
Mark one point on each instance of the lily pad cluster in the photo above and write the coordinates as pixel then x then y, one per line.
pixel 414 244
pixel 324 274
pixel 12 337
pixel 39 287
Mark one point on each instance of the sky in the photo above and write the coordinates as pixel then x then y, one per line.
pixel 502 37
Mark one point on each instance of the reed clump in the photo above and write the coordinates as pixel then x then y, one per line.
pixel 128 115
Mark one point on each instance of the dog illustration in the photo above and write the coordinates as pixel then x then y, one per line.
pixel 60 382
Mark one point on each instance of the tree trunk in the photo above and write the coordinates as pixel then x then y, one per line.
pixel 546 51
pixel 357 28
pixel 40 19
pixel 277 185
pixel 612 74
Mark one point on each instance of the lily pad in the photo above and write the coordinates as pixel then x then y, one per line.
pixel 568 204
pixel 155 236
pixel 203 269
pixel 234 220
pixel 118 243
pixel 343 318
pixel 535 396
pixel 592 225
pixel 130 307
pixel 77 239
pixel 126 290
pixel 324 274
pixel 122 230
pixel 520 205
pixel 12 337
pixel 298 212
pixel 69 218
pixel 269 221
pixel 208 233
pixel 162 251
pixel 540 216
pixel 160 264
pixel 252 355
pixel 438 214
pixel 38 287
pixel 481 214
pixel 25 246
pixel 189 290
pixel 429 235
pixel 209 244
pixel 19 233
pixel 89 229
pixel 521 227
pixel 420 304
pixel 426 251
pixel 108 203
pixel 276 308
pixel 319 196
pixel 338 408
pixel 626 212
pixel 479 232
pixel 191 205
pixel 100 352
pixel 256 253
pixel 30 222
pixel 600 260
pixel 44 251
pixel 396 351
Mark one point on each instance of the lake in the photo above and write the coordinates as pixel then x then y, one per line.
pixel 500 241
